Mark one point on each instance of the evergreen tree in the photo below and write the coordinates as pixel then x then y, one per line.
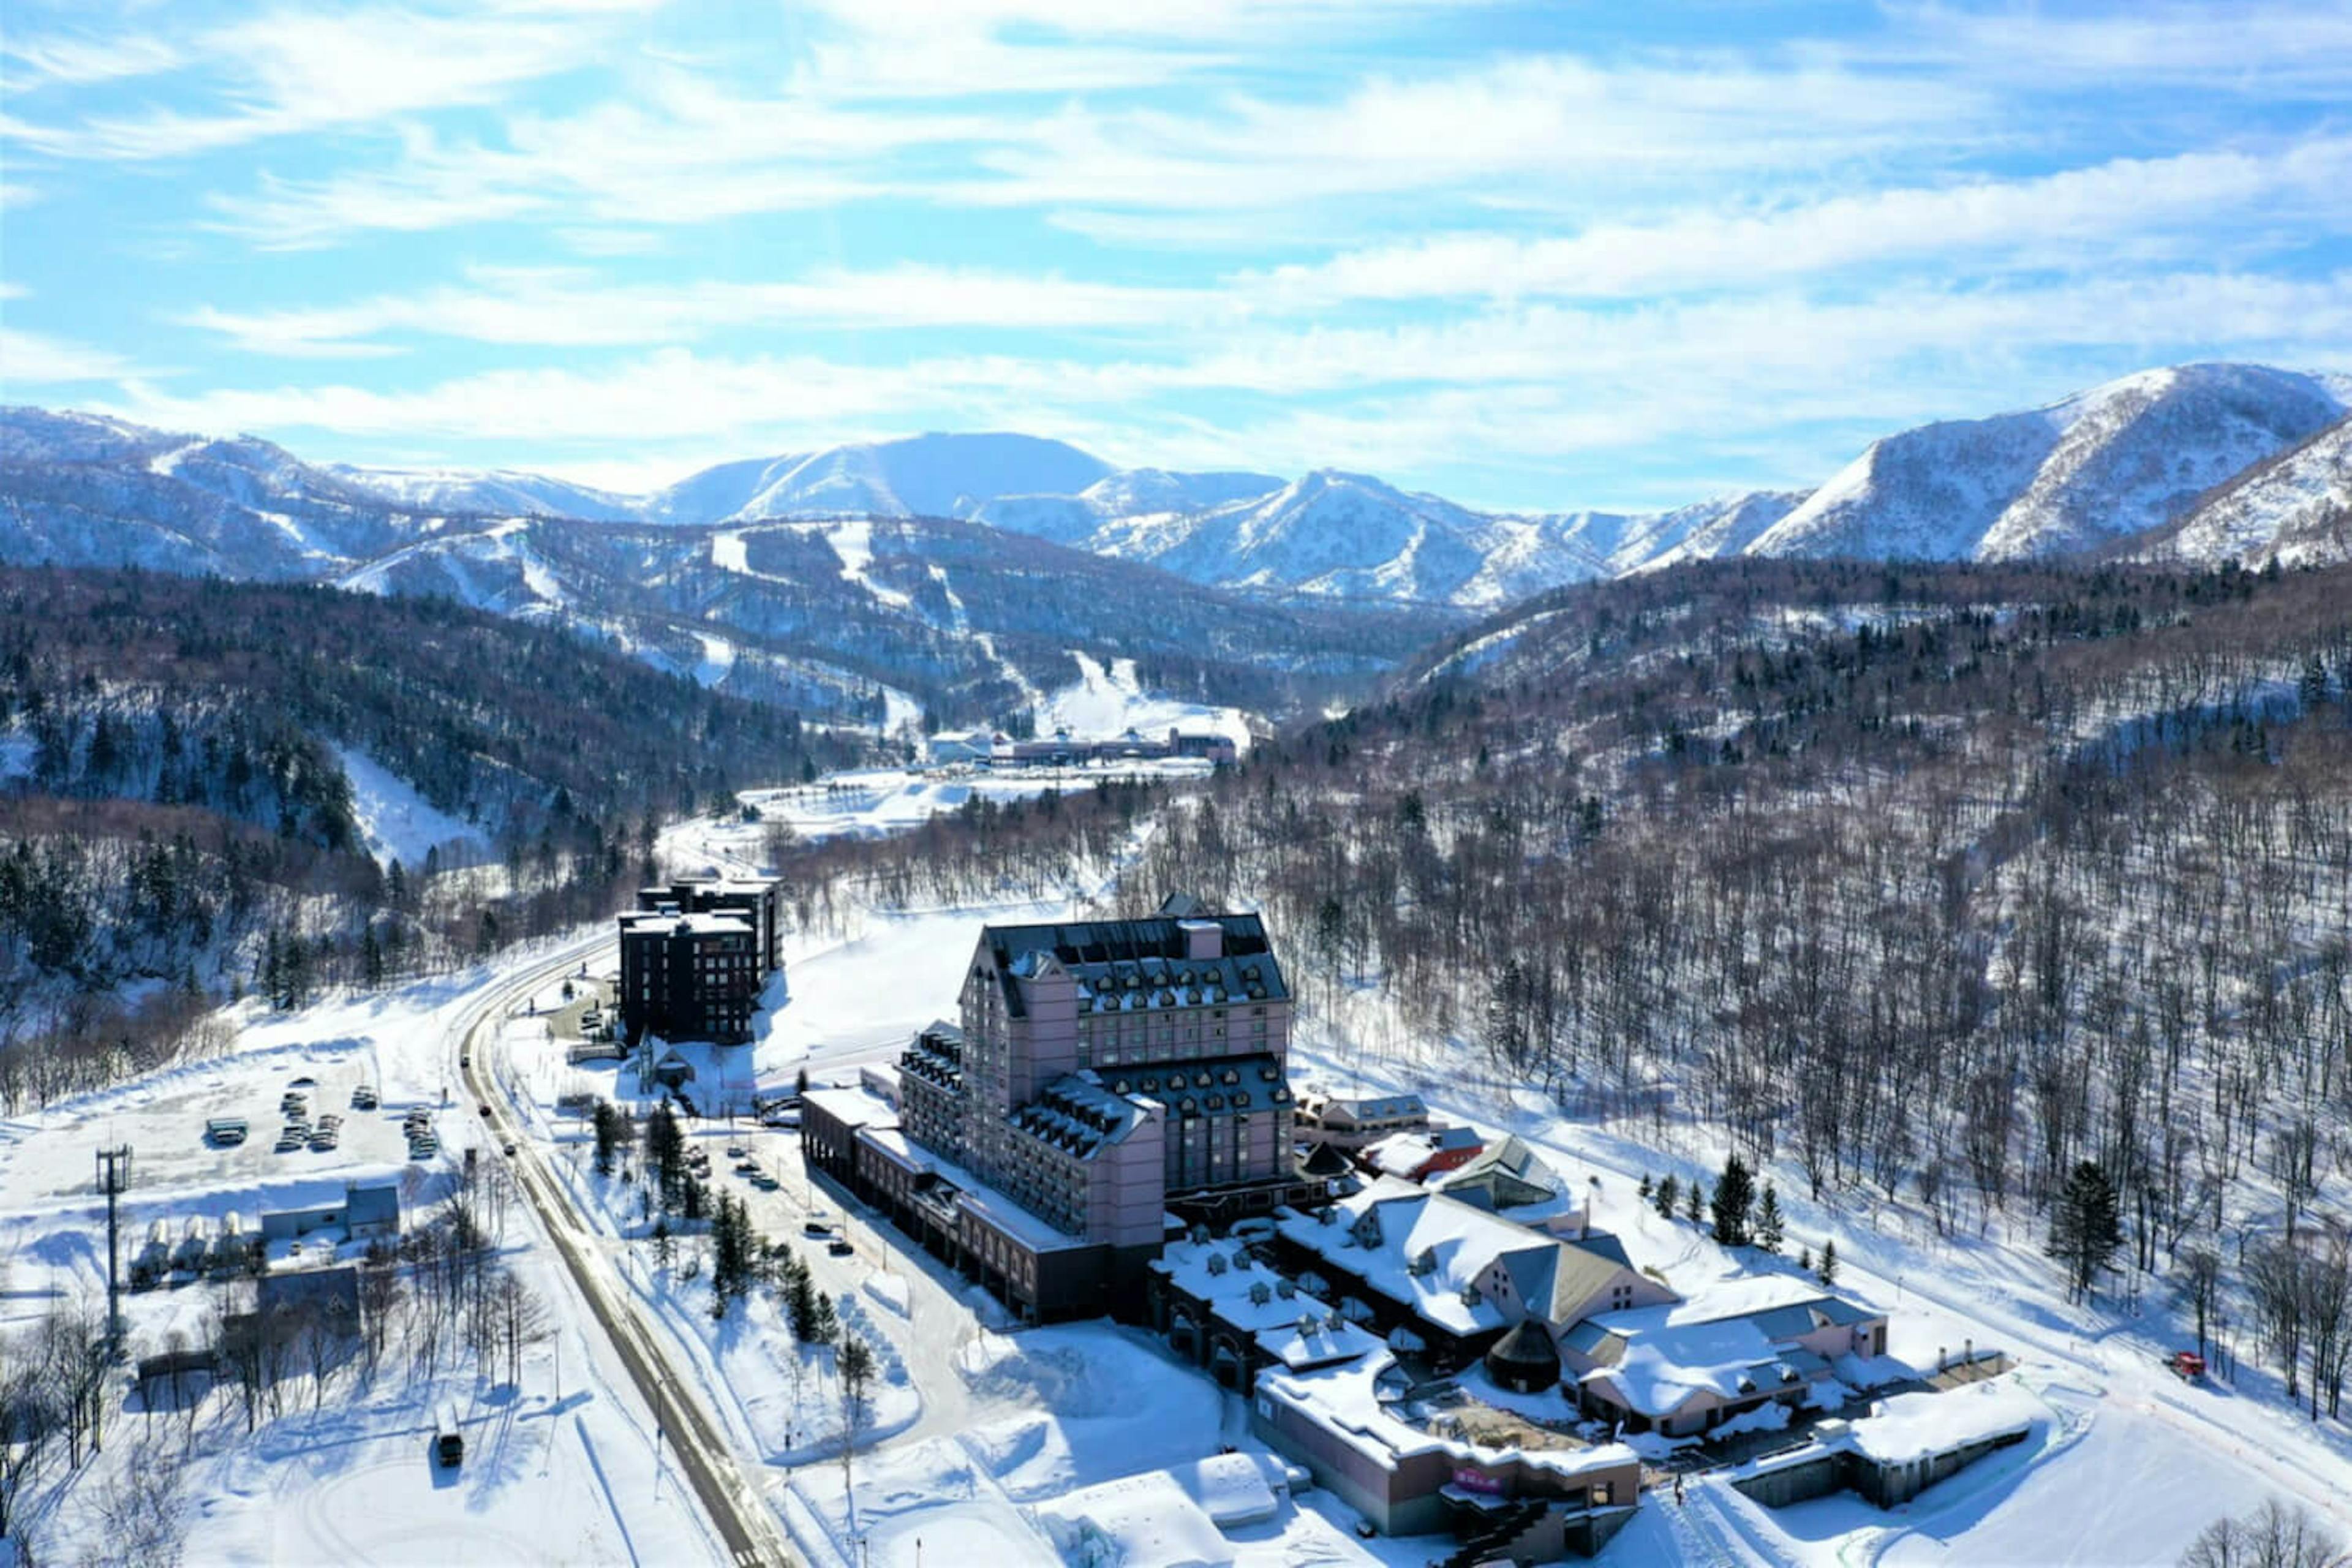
pixel 666 1151
pixel 824 1329
pixel 1826 1269
pixel 1805 1258
pixel 1694 1204
pixel 1645 1190
pixel 2086 1227
pixel 1770 1227
pixel 663 1247
pixel 1735 1196
pixel 1668 1191
pixel 371 957
pixel 800 1300
pixel 606 1121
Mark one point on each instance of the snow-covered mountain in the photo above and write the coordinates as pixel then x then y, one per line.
pixel 83 490
pixel 498 492
pixel 2295 509
pixel 859 618
pixel 2116 461
pixel 1131 493
pixel 2089 474
pixel 921 476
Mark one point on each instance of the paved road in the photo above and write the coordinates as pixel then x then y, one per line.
pixel 736 1511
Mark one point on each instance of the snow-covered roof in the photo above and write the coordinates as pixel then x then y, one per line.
pixel 851 1106
pixel 1362 1107
pixel 1347 1402
pixel 1910 1427
pixel 1735 1341
pixel 1427 1251
pixel 878 1126
pixel 686 924
pixel 1293 1328
pixel 1078 1115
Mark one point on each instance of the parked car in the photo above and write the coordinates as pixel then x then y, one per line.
pixel 841 1246
pixel 509 1150
pixel 817 1226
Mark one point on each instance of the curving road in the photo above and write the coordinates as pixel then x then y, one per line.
pixel 737 1514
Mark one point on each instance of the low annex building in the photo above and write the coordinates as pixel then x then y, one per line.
pixel 1351 1121
pixel 1453 1274
pixel 1685 1369
pixel 1237 1318
pixel 1457 1278
pixel 371 1209
pixel 1907 1444
pixel 1386 1448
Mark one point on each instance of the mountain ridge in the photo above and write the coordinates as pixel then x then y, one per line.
pixel 2086 474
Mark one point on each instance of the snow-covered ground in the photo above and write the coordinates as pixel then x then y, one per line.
pixel 2137 1461
pixel 875 802
pixel 1110 700
pixel 397 823
pixel 561 1463
pixel 1079 1443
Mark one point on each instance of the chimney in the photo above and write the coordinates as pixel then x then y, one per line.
pixel 1203 940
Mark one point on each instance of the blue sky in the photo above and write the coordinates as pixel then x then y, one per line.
pixel 1531 257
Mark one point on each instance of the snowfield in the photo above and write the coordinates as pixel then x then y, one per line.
pixel 395 822
pixel 561 1465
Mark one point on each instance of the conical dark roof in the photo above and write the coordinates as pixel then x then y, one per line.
pixel 1325 1161
pixel 1525 1359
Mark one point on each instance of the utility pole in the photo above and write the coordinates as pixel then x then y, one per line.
pixel 113 1175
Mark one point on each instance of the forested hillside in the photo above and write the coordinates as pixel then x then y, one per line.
pixel 1935 882
pixel 177 816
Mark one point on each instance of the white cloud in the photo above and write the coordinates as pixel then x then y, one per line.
pixel 1553 131
pixel 2263 49
pixel 69 60
pixel 1527 383
pixel 36 359
pixel 298 70
pixel 1508 128
pixel 568 308
pixel 2129 211
pixel 680 150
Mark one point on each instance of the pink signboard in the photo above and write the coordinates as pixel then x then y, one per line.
pixel 1478 1482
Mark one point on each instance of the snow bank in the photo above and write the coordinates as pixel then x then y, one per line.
pixel 889 1292
pixel 1768 1417
pixel 1095 1405
pixel 1136 1519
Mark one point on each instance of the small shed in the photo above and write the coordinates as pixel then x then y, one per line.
pixel 333 1293
pixel 372 1210
pixel 172 1377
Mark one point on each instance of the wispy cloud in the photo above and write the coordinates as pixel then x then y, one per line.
pixel 298 71
pixel 1481 240
pixel 2130 211
pixel 568 308
pixel 31 359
